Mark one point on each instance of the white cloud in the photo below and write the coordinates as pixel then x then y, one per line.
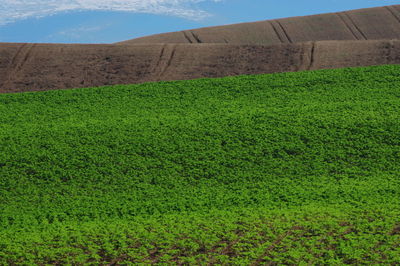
pixel 13 10
pixel 78 31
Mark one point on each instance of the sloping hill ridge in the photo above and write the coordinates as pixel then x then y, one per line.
pixel 348 39
pixel 362 24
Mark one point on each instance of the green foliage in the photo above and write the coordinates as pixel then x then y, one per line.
pixel 291 168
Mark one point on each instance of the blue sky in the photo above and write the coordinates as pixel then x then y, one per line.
pixel 107 21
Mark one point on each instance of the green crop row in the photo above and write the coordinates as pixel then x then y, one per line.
pixel 307 235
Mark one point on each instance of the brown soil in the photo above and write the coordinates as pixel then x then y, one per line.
pixel 356 38
pixel 27 67
pixel 363 24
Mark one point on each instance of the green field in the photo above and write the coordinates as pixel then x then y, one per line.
pixel 290 168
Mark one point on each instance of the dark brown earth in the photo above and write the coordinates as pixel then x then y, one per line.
pixel 27 67
pixel 272 46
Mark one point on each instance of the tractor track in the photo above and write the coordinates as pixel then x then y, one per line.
pixel 355 25
pixel 187 37
pixel 196 37
pixel 284 31
pixel 18 62
pixel 312 56
pixel 347 26
pixel 397 17
pixel 276 31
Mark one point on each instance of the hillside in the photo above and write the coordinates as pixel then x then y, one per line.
pixel 363 37
pixel 32 67
pixel 364 24
pixel 287 168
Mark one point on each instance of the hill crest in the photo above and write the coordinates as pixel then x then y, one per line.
pixel 361 24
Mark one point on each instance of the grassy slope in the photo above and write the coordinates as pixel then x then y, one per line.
pixel 232 170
